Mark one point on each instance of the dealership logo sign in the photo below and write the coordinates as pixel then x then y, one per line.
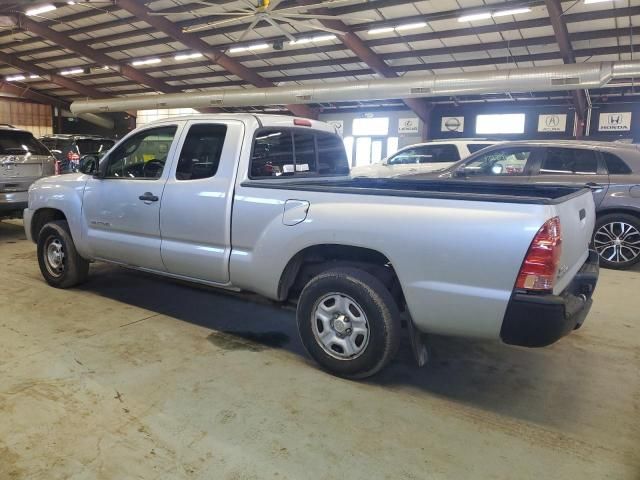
pixel 615 122
pixel 556 122
pixel 452 124
pixel 408 125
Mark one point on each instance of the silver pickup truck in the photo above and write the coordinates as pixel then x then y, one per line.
pixel 265 204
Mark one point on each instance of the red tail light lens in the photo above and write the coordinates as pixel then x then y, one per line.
pixel 540 266
pixel 57 168
pixel 302 122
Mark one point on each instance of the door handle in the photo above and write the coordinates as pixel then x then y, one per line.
pixel 596 187
pixel 148 197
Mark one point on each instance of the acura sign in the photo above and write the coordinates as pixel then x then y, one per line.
pixel 556 122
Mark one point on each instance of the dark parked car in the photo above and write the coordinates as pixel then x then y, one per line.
pixel 70 150
pixel 611 170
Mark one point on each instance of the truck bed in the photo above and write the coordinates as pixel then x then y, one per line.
pixel 442 189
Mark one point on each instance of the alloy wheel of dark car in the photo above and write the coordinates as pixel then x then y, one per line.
pixel 617 241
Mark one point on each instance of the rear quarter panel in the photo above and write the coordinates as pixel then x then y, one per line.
pixel 457 261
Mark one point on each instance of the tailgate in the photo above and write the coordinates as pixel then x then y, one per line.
pixel 16 168
pixel 577 219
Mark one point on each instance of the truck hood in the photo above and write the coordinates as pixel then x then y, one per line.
pixel 66 179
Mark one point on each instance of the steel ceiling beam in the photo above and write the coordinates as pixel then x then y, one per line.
pixel 140 11
pixel 554 7
pixel 28 93
pixel 63 40
pixel 353 42
pixel 60 80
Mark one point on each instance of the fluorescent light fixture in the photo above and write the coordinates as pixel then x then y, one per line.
pixel 377 31
pixel 148 61
pixel 34 76
pixel 187 56
pixel 250 48
pixel 300 41
pixel 14 78
pixel 317 38
pixel 514 11
pixel 72 71
pixel 475 16
pixel 410 26
pixel 39 10
pixel 324 38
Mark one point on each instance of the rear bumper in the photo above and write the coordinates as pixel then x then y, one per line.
pixel 13 202
pixel 540 320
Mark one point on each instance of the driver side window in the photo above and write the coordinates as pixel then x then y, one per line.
pixel 142 156
pixel 501 162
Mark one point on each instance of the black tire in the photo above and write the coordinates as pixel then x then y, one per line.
pixel 71 269
pixel 381 314
pixel 608 228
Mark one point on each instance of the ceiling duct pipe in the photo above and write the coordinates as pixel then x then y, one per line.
pixel 561 77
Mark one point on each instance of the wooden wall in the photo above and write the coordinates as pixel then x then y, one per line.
pixel 35 117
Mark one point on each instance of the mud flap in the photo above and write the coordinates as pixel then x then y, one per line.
pixel 419 345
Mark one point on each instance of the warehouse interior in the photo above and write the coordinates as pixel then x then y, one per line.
pixel 135 375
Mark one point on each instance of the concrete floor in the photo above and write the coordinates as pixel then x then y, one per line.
pixel 132 376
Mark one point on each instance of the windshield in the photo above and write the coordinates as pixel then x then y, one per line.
pixel 87 146
pixel 20 143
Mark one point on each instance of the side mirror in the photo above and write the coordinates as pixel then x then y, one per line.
pixel 89 165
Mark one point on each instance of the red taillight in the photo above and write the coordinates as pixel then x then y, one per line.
pixel 57 168
pixel 301 122
pixel 540 266
pixel 73 156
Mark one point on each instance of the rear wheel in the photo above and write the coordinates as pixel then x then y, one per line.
pixel 616 238
pixel 60 263
pixel 348 322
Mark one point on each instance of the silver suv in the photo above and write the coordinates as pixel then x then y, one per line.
pixel 611 170
pixel 23 160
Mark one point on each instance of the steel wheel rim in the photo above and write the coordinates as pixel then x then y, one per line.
pixel 340 326
pixel 54 256
pixel 617 242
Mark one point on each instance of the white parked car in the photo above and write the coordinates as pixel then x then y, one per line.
pixel 422 158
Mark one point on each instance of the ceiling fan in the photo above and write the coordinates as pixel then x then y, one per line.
pixel 267 11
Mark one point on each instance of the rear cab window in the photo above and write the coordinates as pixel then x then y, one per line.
pixel 289 152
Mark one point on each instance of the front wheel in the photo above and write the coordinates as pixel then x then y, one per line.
pixel 348 322
pixel 616 238
pixel 60 263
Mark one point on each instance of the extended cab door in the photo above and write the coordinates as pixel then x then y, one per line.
pixel 575 167
pixel 196 206
pixel 121 209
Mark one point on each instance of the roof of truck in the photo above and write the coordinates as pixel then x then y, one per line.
pixel 267 120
